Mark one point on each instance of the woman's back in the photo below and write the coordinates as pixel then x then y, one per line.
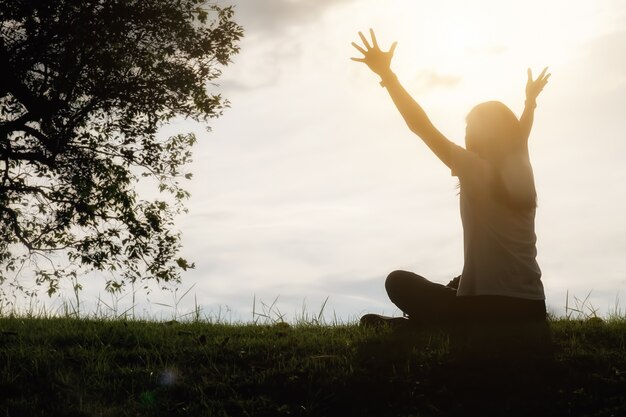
pixel 499 237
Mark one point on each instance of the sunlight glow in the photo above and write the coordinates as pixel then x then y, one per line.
pixel 472 39
pixel 453 54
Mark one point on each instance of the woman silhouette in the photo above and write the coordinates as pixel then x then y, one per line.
pixel 501 279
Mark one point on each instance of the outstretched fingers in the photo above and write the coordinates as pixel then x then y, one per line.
pixel 361 50
pixel 365 42
pixel 537 85
pixel 376 59
pixel 374 42
pixel 393 48
pixel 541 78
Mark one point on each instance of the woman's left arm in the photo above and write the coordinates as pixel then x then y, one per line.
pixel 533 88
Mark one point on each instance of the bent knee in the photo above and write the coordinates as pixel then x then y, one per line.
pixel 396 281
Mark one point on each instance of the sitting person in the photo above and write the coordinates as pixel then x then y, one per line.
pixel 501 279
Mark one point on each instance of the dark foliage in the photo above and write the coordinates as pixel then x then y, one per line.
pixel 86 84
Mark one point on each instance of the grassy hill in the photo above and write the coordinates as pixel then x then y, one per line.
pixel 82 367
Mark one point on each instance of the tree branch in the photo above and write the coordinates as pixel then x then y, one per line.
pixel 26 156
pixel 11 126
pixel 10 83
pixel 16 227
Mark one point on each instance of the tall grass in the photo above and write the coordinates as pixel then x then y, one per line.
pixel 117 306
pixel 113 362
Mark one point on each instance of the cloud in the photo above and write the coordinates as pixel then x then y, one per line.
pixel 430 79
pixel 231 85
pixel 274 32
pixel 274 16
pixel 260 64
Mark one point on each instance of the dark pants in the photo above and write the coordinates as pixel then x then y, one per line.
pixel 428 302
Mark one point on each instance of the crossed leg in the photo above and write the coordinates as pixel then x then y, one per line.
pixel 422 300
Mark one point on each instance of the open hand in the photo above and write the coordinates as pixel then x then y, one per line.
pixel 377 60
pixel 533 88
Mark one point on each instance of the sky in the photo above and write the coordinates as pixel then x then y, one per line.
pixel 311 188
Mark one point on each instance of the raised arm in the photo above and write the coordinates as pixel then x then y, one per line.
pixel 413 114
pixel 533 88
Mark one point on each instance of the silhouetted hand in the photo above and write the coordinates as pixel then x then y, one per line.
pixel 377 60
pixel 533 88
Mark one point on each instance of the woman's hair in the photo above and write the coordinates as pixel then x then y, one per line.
pixel 494 133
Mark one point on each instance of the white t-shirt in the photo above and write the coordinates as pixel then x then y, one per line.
pixel 499 242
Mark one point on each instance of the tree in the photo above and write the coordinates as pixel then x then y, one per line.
pixel 86 85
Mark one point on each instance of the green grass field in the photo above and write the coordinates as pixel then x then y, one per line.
pixel 88 367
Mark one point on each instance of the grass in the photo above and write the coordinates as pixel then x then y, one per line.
pixel 99 367
pixel 112 364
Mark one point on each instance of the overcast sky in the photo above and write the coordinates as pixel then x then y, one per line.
pixel 311 186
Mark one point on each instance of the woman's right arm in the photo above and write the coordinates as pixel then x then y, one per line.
pixel 413 114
